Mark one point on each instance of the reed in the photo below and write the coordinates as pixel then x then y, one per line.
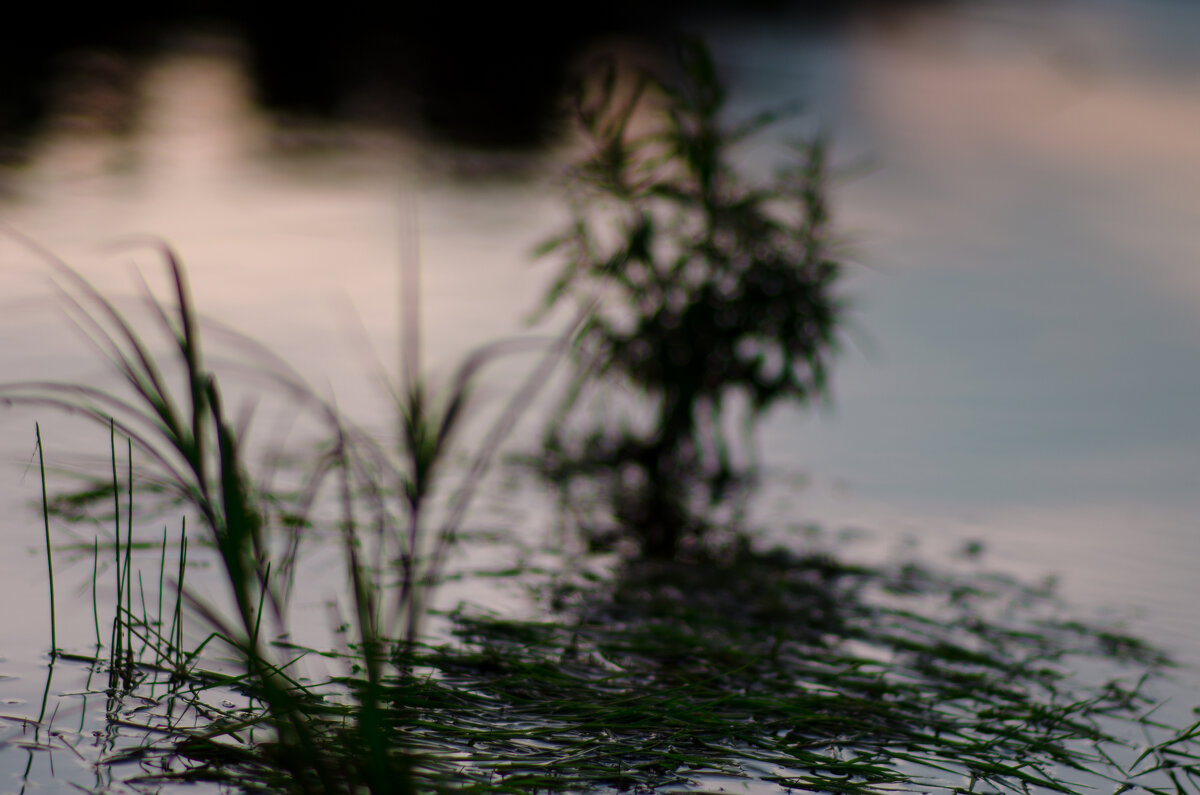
pixel 49 549
pixel 798 671
pixel 181 428
pixel 188 438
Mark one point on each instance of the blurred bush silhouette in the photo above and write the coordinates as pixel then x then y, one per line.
pixel 706 287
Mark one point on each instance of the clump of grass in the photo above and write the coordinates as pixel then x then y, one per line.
pixel 185 432
pixel 46 525
pixel 796 670
pixel 317 743
pixel 800 671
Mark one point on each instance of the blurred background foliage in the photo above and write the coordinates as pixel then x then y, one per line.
pixel 703 289
pixel 479 74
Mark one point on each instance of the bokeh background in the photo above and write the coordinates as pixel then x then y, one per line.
pixel 1016 188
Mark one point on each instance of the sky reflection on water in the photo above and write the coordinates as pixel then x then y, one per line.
pixel 1025 353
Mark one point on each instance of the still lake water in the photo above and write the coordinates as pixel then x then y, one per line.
pixel 1023 365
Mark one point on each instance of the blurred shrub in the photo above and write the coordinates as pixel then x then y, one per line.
pixel 701 285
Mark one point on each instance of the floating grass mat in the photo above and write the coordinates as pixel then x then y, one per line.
pixel 754 670
pixel 798 671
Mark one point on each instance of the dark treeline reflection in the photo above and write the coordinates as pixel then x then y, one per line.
pixel 484 75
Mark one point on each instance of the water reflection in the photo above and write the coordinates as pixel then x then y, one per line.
pixel 1036 219
pixel 1028 336
pixel 1031 311
pixel 1030 343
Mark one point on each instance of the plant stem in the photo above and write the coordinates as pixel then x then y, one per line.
pixel 46 524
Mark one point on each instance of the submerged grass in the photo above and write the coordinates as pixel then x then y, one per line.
pixel 796 670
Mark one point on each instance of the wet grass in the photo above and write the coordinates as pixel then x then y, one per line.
pixel 799 671
pixel 180 427
pixel 736 666
pixel 795 670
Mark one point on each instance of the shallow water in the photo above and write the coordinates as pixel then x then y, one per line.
pixel 1025 347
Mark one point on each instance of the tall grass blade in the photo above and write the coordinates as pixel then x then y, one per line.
pixel 95 578
pixel 129 562
pixel 46 525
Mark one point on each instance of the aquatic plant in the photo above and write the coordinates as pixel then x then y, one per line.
pixel 377 498
pixel 799 670
pixel 802 671
pixel 708 288
pixel 186 436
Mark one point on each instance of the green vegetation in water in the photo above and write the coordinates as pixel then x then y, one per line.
pixel 707 288
pixel 193 448
pixel 798 670
pixel 725 665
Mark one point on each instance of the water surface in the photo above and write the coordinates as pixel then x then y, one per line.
pixel 1024 354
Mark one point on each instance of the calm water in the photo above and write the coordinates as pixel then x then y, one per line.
pixel 1024 359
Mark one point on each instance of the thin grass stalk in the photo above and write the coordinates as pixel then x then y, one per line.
pixel 117 640
pixel 360 580
pixel 145 614
pixel 262 600
pixel 46 524
pixel 95 577
pixel 411 415
pixel 176 633
pixel 129 559
pixel 235 522
pixel 162 567
pixel 198 382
